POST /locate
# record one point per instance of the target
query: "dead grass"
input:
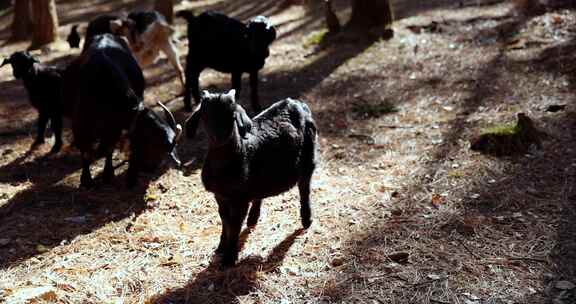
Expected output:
(404, 211)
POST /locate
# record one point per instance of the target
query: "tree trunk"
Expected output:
(166, 8)
(371, 13)
(44, 23)
(21, 23)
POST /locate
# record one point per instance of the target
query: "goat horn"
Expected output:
(172, 122)
(178, 133)
(169, 117)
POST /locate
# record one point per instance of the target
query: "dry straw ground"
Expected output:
(404, 211)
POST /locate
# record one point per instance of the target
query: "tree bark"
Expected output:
(371, 13)
(21, 24)
(166, 8)
(44, 23)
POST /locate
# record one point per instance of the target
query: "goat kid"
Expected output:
(42, 83)
(147, 32)
(227, 45)
(249, 160)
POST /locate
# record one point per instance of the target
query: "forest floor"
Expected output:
(404, 211)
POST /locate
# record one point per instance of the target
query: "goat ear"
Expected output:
(192, 123)
(29, 56)
(243, 122)
(115, 26)
(204, 94)
(271, 31)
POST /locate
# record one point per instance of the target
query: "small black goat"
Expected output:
(74, 38)
(106, 87)
(43, 83)
(249, 160)
(227, 45)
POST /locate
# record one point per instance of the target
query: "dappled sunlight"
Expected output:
(403, 210)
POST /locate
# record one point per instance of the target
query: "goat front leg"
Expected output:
(131, 174)
(254, 92)
(86, 180)
(225, 222)
(169, 49)
(191, 89)
(108, 170)
(42, 121)
(57, 128)
(254, 214)
(236, 212)
(237, 83)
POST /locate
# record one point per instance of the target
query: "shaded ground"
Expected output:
(404, 211)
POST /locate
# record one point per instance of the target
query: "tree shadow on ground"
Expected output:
(213, 285)
(404, 9)
(532, 200)
(45, 169)
(51, 214)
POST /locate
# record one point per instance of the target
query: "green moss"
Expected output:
(508, 139)
(456, 174)
(509, 129)
(373, 110)
(315, 38)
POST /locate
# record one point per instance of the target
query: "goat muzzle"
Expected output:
(5, 62)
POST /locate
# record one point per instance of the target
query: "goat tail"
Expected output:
(309, 153)
(186, 14)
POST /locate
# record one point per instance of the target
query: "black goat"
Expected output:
(74, 38)
(249, 160)
(98, 26)
(106, 87)
(43, 85)
(227, 45)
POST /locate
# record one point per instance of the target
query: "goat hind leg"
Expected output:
(191, 89)
(254, 92)
(305, 210)
(86, 180)
(57, 128)
(171, 52)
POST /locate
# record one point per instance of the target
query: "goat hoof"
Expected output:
(306, 223)
(56, 148)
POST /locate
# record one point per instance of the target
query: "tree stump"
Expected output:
(21, 24)
(509, 141)
(44, 23)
